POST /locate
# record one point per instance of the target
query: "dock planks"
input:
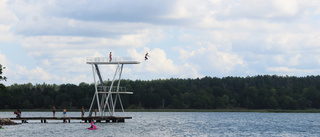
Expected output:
(106, 119)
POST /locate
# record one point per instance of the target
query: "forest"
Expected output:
(254, 92)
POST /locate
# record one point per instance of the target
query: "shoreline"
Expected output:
(181, 110)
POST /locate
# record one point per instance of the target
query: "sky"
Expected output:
(48, 41)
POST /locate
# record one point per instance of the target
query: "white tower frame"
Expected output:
(106, 92)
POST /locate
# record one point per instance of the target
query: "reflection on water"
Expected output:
(174, 124)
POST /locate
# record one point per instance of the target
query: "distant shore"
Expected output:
(182, 110)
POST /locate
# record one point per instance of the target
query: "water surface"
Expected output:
(174, 124)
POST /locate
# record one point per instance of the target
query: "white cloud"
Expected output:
(291, 61)
(291, 71)
(66, 54)
(286, 7)
(138, 39)
(294, 61)
(157, 63)
(7, 21)
(189, 71)
(281, 69)
(21, 73)
(184, 38)
(181, 10)
(6, 16)
(72, 74)
(260, 9)
(207, 58)
(2, 59)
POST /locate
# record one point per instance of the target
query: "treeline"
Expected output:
(257, 92)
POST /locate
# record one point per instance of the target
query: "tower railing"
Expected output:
(106, 59)
(113, 89)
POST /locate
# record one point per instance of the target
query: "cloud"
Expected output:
(181, 10)
(157, 64)
(7, 21)
(21, 73)
(3, 59)
(71, 27)
(291, 71)
(100, 10)
(39, 45)
(52, 75)
(260, 9)
(209, 58)
(6, 15)
(286, 7)
(184, 38)
(95, 11)
(65, 54)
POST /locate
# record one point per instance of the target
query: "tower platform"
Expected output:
(115, 60)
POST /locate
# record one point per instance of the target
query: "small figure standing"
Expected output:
(64, 112)
(82, 111)
(110, 56)
(95, 112)
(20, 112)
(146, 56)
(54, 111)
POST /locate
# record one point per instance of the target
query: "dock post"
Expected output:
(121, 120)
(43, 121)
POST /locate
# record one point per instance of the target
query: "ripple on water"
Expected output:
(176, 124)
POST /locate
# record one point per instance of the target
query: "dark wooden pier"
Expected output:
(106, 119)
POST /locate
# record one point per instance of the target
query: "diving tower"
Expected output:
(106, 97)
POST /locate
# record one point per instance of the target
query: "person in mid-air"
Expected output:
(146, 56)
(110, 56)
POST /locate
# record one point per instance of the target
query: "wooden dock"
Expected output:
(106, 119)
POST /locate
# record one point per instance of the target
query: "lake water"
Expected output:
(174, 124)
